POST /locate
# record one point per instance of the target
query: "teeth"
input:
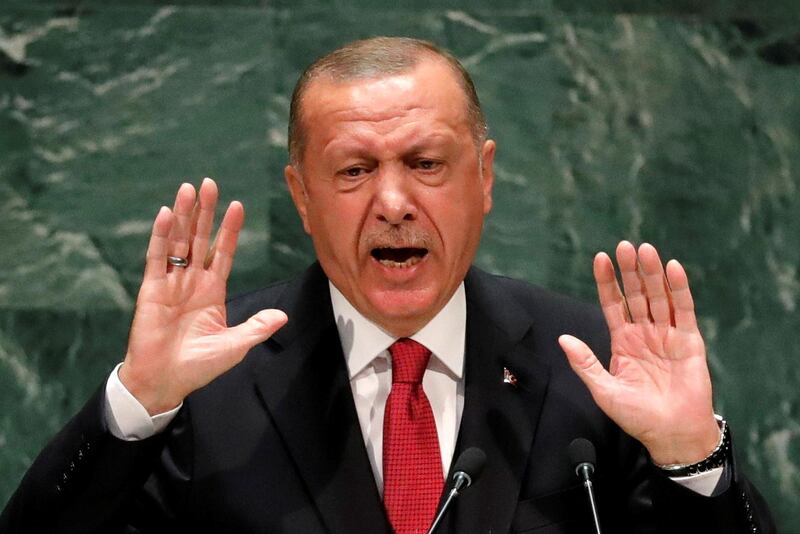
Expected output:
(413, 260)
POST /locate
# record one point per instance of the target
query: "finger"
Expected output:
(682, 301)
(632, 282)
(256, 329)
(179, 235)
(587, 367)
(655, 283)
(155, 267)
(611, 299)
(221, 255)
(203, 221)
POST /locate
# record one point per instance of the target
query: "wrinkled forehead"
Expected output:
(431, 85)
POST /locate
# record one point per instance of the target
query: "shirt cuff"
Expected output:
(703, 483)
(125, 416)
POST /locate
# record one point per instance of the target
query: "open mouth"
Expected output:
(399, 257)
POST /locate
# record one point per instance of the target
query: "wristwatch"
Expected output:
(718, 457)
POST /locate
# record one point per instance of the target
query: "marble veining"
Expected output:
(612, 122)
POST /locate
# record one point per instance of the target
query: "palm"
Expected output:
(657, 387)
(179, 340)
(654, 369)
(174, 316)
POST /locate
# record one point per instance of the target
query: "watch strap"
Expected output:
(719, 457)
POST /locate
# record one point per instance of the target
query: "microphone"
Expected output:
(468, 468)
(582, 455)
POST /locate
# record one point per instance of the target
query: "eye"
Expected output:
(354, 172)
(351, 177)
(427, 165)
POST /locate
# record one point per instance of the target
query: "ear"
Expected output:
(294, 179)
(487, 171)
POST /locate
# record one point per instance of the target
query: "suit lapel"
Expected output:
(498, 417)
(306, 389)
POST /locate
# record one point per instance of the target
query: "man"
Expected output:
(397, 355)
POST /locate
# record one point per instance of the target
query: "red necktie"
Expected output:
(412, 463)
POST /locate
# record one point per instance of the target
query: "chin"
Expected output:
(401, 309)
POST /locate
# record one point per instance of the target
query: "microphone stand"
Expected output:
(584, 470)
(461, 480)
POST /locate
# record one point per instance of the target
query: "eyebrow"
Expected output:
(418, 144)
(437, 139)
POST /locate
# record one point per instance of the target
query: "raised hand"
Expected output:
(179, 340)
(657, 388)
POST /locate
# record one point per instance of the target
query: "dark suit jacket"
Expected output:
(274, 445)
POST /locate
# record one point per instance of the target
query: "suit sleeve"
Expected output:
(739, 509)
(87, 481)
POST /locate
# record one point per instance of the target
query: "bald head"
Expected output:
(375, 58)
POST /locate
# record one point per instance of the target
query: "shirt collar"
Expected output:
(363, 341)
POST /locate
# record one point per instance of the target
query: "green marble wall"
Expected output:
(677, 125)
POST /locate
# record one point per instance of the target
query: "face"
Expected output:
(392, 191)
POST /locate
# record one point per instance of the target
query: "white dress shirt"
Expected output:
(365, 346)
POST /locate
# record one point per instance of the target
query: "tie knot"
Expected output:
(409, 360)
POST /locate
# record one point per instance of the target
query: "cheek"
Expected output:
(457, 222)
(335, 228)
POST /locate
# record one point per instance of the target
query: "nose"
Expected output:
(394, 201)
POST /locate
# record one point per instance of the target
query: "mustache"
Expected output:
(398, 237)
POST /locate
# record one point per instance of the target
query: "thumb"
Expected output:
(587, 366)
(256, 329)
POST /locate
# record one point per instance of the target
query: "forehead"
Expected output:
(429, 91)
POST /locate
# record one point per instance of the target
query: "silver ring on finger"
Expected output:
(177, 261)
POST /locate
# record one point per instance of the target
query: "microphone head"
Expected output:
(471, 462)
(581, 451)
